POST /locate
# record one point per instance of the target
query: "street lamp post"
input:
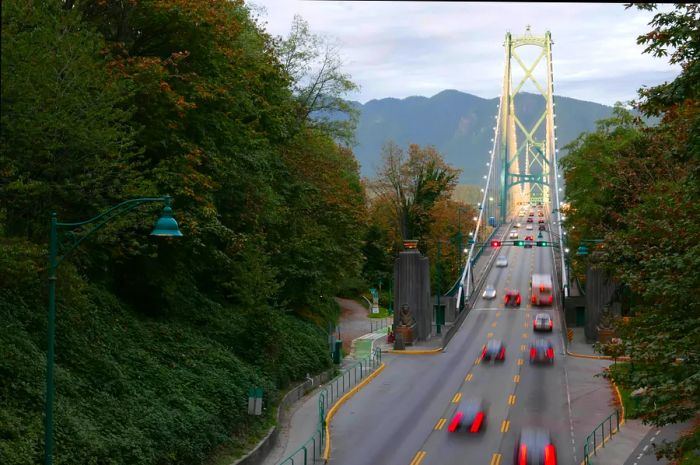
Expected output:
(166, 226)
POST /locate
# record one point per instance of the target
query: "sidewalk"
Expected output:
(592, 401)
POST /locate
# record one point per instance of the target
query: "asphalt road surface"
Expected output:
(398, 418)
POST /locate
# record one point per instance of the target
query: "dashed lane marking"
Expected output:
(511, 399)
(520, 361)
(524, 335)
(469, 377)
(456, 398)
(505, 425)
(418, 458)
(493, 325)
(498, 314)
(516, 378)
(523, 348)
(495, 460)
(441, 422)
(489, 335)
(477, 361)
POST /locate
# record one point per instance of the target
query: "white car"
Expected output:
(514, 234)
(502, 261)
(517, 225)
(489, 292)
(529, 227)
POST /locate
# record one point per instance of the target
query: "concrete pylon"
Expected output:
(413, 316)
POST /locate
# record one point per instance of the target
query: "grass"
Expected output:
(618, 372)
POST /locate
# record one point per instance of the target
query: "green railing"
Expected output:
(593, 441)
(311, 451)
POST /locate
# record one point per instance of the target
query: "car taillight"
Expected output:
(551, 323)
(541, 287)
(533, 352)
(455, 422)
(483, 352)
(502, 353)
(550, 353)
(551, 299)
(517, 300)
(505, 299)
(533, 299)
(550, 456)
(522, 457)
(477, 422)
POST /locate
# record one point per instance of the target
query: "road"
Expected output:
(397, 418)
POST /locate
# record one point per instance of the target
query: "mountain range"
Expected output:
(460, 126)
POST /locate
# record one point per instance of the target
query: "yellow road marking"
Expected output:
(495, 460)
(516, 378)
(498, 313)
(525, 325)
(505, 425)
(520, 361)
(511, 399)
(456, 398)
(523, 348)
(469, 377)
(493, 325)
(441, 422)
(489, 335)
(524, 335)
(418, 458)
(477, 361)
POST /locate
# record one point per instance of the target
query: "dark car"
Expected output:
(542, 322)
(529, 220)
(534, 447)
(494, 349)
(469, 417)
(541, 221)
(512, 298)
(542, 227)
(541, 351)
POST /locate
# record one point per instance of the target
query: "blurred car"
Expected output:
(534, 447)
(513, 234)
(528, 242)
(529, 227)
(529, 220)
(540, 214)
(469, 417)
(512, 298)
(502, 261)
(532, 214)
(542, 228)
(542, 322)
(494, 349)
(489, 292)
(541, 350)
(541, 221)
(521, 214)
(517, 225)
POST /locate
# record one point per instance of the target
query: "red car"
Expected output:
(529, 220)
(528, 242)
(470, 416)
(512, 298)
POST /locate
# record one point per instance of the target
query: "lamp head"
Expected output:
(166, 225)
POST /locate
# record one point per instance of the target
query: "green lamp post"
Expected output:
(76, 233)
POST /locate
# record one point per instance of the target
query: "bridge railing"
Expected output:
(597, 438)
(311, 451)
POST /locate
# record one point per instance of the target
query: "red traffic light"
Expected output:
(495, 243)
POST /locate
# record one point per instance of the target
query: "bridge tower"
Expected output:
(525, 140)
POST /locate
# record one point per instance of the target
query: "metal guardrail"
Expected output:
(594, 435)
(375, 324)
(312, 450)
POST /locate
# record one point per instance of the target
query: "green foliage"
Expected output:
(159, 340)
(638, 188)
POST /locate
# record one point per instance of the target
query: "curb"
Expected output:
(414, 352)
(597, 357)
(339, 403)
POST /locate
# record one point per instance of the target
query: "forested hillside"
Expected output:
(159, 339)
(459, 125)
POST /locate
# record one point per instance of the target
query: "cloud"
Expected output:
(400, 49)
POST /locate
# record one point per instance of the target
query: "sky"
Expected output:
(401, 49)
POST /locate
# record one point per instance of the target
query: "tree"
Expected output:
(314, 67)
(413, 183)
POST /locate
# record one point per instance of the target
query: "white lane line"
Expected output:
(568, 403)
(657, 433)
(644, 449)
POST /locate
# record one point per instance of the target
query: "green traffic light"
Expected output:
(519, 243)
(541, 243)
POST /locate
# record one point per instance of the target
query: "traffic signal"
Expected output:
(495, 244)
(541, 243)
(519, 243)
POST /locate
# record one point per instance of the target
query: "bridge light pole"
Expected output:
(165, 226)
